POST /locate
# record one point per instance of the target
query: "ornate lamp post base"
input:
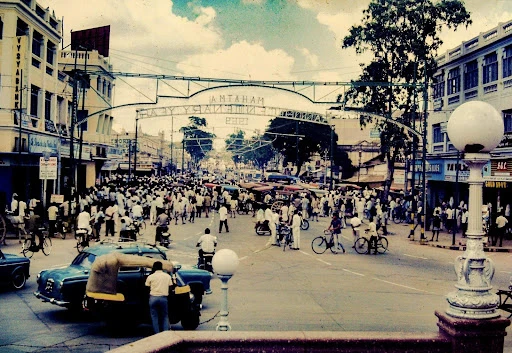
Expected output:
(473, 299)
(223, 324)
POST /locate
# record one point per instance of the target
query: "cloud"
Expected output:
(253, 2)
(310, 57)
(242, 60)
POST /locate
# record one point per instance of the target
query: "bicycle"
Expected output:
(139, 227)
(287, 237)
(320, 244)
(82, 239)
(362, 244)
(29, 246)
(304, 224)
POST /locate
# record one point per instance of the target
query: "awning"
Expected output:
(264, 188)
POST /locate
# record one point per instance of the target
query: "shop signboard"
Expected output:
(42, 144)
(47, 168)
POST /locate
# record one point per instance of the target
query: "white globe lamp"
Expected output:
(224, 263)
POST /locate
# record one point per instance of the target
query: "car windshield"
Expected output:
(84, 259)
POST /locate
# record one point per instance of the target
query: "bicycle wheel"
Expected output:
(397, 219)
(47, 246)
(3, 229)
(319, 245)
(361, 246)
(382, 245)
(27, 248)
(304, 225)
(337, 248)
(142, 228)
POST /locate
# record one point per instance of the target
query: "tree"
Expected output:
(260, 152)
(298, 140)
(235, 144)
(197, 142)
(403, 35)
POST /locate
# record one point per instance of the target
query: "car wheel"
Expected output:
(18, 279)
(191, 321)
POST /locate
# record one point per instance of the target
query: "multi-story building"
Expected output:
(477, 69)
(32, 87)
(95, 119)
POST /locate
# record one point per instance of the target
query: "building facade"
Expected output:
(477, 69)
(31, 88)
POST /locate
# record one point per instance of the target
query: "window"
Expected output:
(37, 43)
(470, 74)
(48, 105)
(507, 62)
(101, 121)
(453, 81)
(98, 84)
(507, 120)
(50, 53)
(490, 68)
(34, 100)
(104, 90)
(109, 90)
(21, 28)
(1, 29)
(437, 135)
(439, 86)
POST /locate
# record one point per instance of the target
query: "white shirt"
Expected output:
(207, 242)
(159, 283)
(84, 220)
(223, 213)
(137, 211)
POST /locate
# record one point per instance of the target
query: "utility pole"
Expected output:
(332, 156)
(83, 83)
(136, 143)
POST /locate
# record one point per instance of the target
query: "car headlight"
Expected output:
(38, 278)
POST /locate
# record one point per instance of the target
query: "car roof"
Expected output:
(123, 247)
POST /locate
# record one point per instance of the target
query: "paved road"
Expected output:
(272, 290)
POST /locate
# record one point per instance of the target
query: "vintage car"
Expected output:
(122, 299)
(65, 287)
(14, 270)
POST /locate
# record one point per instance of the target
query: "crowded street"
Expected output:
(271, 290)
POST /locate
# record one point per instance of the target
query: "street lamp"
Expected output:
(224, 263)
(475, 128)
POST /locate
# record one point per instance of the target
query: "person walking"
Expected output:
(159, 283)
(296, 221)
(223, 217)
(109, 220)
(436, 226)
(52, 219)
(501, 226)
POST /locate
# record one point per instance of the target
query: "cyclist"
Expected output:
(34, 222)
(84, 221)
(162, 225)
(372, 232)
(207, 243)
(335, 228)
(355, 223)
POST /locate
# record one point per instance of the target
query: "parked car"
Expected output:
(14, 270)
(65, 287)
(122, 299)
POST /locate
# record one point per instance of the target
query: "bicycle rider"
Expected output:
(335, 229)
(372, 232)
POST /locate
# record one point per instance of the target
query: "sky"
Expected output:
(241, 39)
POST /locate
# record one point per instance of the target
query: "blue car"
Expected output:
(66, 287)
(14, 270)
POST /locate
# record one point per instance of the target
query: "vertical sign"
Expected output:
(19, 50)
(47, 168)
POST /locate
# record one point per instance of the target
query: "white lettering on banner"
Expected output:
(231, 108)
(502, 166)
(237, 121)
(431, 168)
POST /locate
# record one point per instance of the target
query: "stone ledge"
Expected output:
(288, 341)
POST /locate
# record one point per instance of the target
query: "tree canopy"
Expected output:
(403, 36)
(198, 143)
(256, 150)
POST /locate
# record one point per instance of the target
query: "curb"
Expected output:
(463, 247)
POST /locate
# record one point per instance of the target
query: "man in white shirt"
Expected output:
(84, 220)
(207, 243)
(52, 219)
(137, 212)
(159, 283)
(223, 217)
(355, 223)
